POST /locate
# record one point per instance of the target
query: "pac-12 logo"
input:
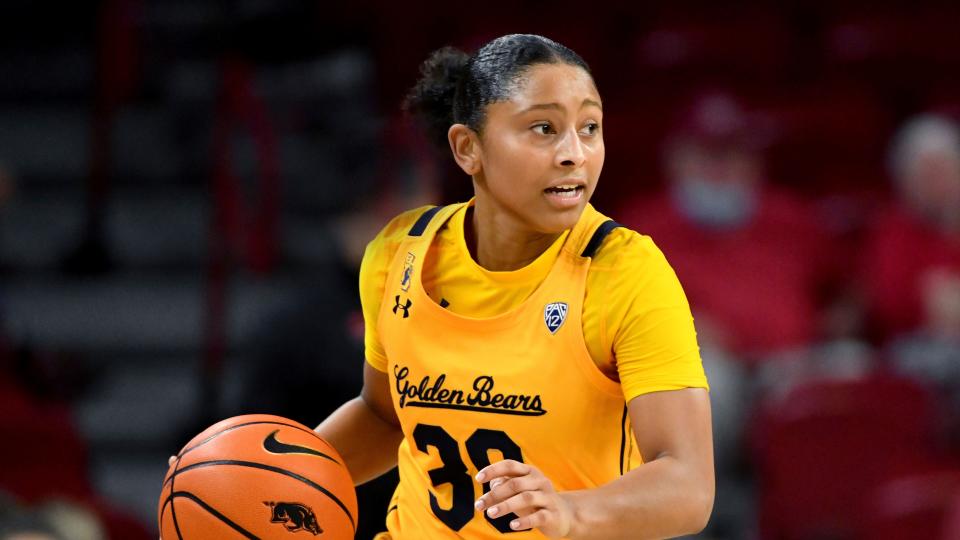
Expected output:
(294, 517)
(554, 314)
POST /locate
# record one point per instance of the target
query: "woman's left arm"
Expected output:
(671, 494)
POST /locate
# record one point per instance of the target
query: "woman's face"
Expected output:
(933, 183)
(542, 150)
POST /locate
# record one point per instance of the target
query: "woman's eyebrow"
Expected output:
(558, 107)
(543, 106)
(589, 101)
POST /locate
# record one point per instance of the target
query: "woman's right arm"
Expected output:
(365, 430)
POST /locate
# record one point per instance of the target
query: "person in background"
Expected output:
(912, 267)
(748, 254)
(912, 259)
(51, 520)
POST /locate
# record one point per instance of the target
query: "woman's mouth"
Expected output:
(565, 196)
(571, 191)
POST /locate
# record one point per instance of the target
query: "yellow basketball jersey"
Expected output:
(470, 391)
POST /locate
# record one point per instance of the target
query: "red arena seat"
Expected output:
(827, 444)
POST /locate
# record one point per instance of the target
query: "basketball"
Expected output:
(258, 477)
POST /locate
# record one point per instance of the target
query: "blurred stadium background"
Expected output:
(186, 188)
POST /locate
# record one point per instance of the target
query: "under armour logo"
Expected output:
(405, 307)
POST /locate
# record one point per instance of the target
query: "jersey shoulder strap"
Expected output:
(423, 221)
(599, 235)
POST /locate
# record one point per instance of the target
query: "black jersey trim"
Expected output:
(623, 436)
(423, 221)
(597, 239)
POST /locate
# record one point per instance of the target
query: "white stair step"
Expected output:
(139, 405)
(46, 142)
(36, 232)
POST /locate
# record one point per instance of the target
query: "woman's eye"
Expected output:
(591, 129)
(543, 129)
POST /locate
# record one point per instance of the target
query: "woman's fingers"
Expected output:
(503, 488)
(523, 503)
(507, 467)
(523, 490)
(541, 519)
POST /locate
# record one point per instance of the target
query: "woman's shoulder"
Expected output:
(384, 245)
(628, 264)
(624, 246)
(400, 225)
(629, 276)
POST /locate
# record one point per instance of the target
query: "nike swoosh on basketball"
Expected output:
(272, 445)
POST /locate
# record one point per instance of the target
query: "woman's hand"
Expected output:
(524, 490)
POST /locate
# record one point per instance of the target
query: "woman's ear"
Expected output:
(465, 145)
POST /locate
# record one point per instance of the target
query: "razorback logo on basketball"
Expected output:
(294, 517)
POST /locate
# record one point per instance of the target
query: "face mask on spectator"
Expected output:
(720, 205)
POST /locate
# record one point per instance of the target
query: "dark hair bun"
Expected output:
(432, 98)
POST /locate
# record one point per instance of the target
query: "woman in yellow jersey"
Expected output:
(532, 367)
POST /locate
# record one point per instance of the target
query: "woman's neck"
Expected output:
(500, 243)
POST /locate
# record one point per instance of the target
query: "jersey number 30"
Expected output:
(454, 471)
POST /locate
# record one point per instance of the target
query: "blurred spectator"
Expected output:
(53, 520)
(749, 256)
(912, 266)
(72, 522)
(935, 361)
(840, 359)
(28, 528)
(931, 353)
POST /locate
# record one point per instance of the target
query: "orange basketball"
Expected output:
(257, 476)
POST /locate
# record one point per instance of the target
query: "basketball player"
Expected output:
(531, 367)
